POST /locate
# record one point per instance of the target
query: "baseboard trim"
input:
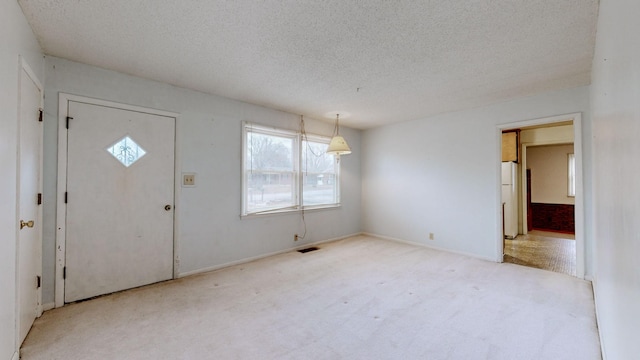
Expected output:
(430, 247)
(258, 257)
(595, 305)
(48, 306)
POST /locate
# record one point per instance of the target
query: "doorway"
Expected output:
(550, 200)
(542, 134)
(118, 199)
(547, 238)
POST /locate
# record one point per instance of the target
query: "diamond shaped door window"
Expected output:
(126, 151)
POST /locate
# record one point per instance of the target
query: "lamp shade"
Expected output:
(338, 146)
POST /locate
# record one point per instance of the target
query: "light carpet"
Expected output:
(359, 298)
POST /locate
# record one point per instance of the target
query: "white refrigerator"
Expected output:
(510, 199)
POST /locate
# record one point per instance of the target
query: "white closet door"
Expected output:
(29, 236)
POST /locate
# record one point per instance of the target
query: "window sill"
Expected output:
(290, 211)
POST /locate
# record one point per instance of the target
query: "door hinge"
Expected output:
(66, 197)
(38, 282)
(68, 118)
(64, 273)
(39, 198)
(40, 115)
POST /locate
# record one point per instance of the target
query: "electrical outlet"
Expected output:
(295, 237)
(431, 237)
(188, 179)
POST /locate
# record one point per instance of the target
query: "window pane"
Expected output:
(320, 186)
(126, 151)
(268, 190)
(270, 176)
(268, 152)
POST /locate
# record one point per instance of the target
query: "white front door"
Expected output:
(120, 191)
(29, 240)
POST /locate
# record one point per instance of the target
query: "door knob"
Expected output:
(167, 207)
(26, 223)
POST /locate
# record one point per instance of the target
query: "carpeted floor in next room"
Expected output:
(358, 298)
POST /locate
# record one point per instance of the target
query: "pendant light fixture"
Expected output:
(338, 145)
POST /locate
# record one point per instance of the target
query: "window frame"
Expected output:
(298, 174)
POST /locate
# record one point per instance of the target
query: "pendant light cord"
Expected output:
(303, 133)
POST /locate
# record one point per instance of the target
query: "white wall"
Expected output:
(440, 174)
(615, 98)
(550, 174)
(17, 39)
(211, 232)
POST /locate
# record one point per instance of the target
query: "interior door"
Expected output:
(120, 191)
(29, 236)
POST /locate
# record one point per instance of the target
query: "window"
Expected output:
(126, 151)
(319, 173)
(572, 175)
(286, 171)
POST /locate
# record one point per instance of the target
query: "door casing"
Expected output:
(63, 102)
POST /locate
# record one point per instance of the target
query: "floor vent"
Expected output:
(313, 248)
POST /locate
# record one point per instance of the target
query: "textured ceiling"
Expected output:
(381, 61)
